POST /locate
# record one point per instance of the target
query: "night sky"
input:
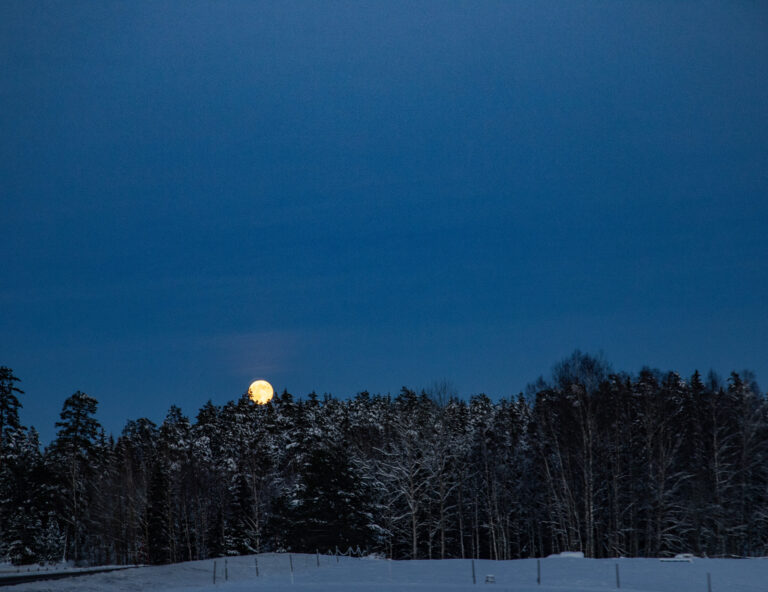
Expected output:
(359, 196)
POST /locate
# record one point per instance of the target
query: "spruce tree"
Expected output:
(9, 409)
(332, 507)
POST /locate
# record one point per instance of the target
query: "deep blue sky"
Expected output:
(345, 196)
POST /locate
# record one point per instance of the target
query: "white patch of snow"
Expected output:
(568, 555)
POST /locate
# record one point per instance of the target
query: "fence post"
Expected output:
(474, 580)
(618, 581)
(226, 571)
(214, 571)
(337, 553)
(290, 560)
(256, 563)
(317, 553)
(538, 572)
(709, 582)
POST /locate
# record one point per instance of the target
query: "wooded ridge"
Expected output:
(592, 460)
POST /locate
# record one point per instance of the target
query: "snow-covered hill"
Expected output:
(562, 574)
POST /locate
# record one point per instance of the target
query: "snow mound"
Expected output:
(567, 555)
(680, 557)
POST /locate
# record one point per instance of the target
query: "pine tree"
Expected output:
(158, 509)
(174, 451)
(19, 461)
(135, 452)
(10, 439)
(72, 459)
(22, 500)
(104, 501)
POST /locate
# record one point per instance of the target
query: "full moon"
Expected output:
(260, 392)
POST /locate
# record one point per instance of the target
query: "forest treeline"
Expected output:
(606, 463)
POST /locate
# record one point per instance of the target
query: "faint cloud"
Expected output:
(259, 353)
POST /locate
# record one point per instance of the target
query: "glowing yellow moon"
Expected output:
(260, 392)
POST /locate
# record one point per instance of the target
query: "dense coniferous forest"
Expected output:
(591, 460)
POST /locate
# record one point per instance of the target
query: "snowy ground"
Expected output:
(12, 575)
(6, 569)
(558, 574)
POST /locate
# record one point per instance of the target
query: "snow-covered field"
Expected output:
(573, 575)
